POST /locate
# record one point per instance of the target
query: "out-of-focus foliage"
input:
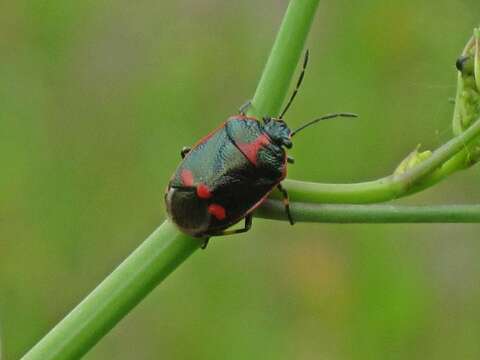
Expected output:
(98, 97)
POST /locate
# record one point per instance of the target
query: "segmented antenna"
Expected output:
(325, 117)
(299, 82)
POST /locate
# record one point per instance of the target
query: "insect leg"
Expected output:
(248, 225)
(204, 245)
(185, 150)
(244, 107)
(286, 203)
(290, 160)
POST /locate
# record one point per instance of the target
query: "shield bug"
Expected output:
(227, 174)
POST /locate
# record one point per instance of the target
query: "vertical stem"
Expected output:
(282, 62)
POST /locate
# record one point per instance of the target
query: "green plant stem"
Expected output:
(450, 157)
(166, 248)
(282, 62)
(370, 214)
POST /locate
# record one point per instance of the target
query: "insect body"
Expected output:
(227, 175)
(230, 172)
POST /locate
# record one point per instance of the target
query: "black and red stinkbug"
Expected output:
(227, 174)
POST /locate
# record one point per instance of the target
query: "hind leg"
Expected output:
(248, 225)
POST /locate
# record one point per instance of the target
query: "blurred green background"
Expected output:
(98, 97)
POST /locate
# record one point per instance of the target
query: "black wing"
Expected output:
(233, 182)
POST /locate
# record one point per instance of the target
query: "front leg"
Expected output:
(242, 110)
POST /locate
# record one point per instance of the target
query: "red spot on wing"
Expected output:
(203, 191)
(250, 150)
(218, 211)
(187, 177)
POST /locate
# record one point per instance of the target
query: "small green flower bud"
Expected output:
(412, 160)
(467, 102)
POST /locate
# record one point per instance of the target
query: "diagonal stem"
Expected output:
(167, 248)
(124, 288)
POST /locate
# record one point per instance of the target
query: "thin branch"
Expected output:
(370, 214)
(450, 157)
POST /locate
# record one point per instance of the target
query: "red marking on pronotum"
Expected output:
(203, 192)
(250, 150)
(187, 177)
(218, 211)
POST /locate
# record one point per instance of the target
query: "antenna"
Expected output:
(299, 82)
(325, 117)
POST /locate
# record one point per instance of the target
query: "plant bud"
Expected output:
(412, 159)
(467, 102)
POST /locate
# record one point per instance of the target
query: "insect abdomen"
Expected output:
(223, 178)
(187, 210)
